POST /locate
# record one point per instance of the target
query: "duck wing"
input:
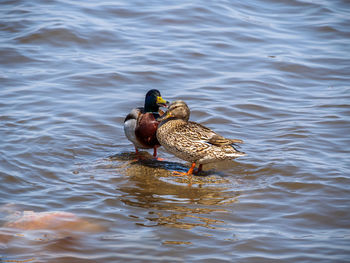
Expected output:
(221, 141)
(207, 135)
(134, 114)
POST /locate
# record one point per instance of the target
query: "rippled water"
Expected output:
(273, 73)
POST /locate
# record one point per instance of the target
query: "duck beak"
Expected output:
(162, 102)
(164, 116)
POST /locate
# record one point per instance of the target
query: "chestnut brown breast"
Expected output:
(146, 130)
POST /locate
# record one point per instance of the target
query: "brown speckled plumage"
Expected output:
(192, 141)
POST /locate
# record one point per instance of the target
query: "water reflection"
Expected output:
(170, 200)
(27, 235)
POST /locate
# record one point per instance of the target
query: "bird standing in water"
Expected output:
(140, 125)
(192, 141)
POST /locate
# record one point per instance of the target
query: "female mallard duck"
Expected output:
(141, 124)
(192, 141)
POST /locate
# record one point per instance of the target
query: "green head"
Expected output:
(154, 100)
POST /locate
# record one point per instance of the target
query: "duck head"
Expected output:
(177, 110)
(154, 100)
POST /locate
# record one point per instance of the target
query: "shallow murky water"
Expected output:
(273, 73)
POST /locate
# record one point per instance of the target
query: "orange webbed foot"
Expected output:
(189, 172)
(177, 173)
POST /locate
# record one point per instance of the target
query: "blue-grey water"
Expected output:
(275, 74)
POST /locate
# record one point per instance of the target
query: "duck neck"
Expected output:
(151, 106)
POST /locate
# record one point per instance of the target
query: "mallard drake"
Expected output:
(192, 141)
(141, 124)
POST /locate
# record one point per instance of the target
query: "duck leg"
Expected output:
(155, 151)
(155, 154)
(189, 172)
(199, 169)
(137, 154)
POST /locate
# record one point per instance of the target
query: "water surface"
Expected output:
(272, 73)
